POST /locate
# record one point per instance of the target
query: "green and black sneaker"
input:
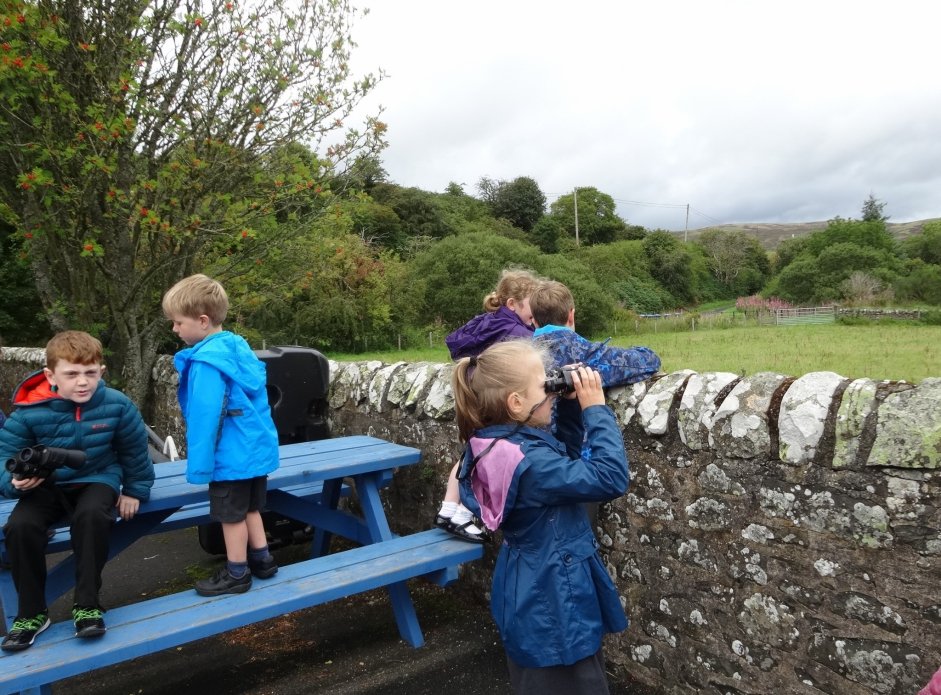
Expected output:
(23, 632)
(88, 621)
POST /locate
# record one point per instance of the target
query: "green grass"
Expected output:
(877, 351)
(718, 305)
(437, 354)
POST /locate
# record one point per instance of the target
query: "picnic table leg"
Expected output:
(40, 690)
(368, 492)
(330, 498)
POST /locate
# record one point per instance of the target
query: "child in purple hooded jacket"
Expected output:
(506, 316)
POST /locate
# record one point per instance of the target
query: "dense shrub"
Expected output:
(932, 318)
(593, 306)
(449, 280)
(923, 284)
(613, 263)
(642, 296)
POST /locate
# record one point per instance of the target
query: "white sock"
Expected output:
(447, 509)
(462, 516)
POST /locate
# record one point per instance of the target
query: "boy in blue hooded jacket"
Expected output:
(231, 439)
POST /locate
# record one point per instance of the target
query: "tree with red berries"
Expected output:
(140, 141)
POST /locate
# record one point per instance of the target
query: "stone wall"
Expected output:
(781, 535)
(879, 313)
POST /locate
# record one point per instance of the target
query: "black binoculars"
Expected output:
(40, 461)
(559, 380)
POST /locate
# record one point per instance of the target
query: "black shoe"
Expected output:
(461, 530)
(88, 621)
(263, 569)
(442, 522)
(224, 583)
(23, 632)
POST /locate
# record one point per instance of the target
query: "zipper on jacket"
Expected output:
(78, 413)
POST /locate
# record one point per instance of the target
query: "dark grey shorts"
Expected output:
(231, 500)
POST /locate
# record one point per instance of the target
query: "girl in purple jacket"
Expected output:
(506, 316)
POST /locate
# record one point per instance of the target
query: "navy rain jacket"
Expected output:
(552, 598)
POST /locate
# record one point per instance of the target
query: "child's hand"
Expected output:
(26, 483)
(127, 506)
(588, 389)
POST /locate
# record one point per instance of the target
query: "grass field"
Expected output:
(877, 351)
(908, 353)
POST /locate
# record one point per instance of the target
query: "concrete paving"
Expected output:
(347, 647)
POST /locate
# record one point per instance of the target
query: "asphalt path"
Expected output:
(346, 647)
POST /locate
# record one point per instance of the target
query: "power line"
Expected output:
(649, 204)
(702, 214)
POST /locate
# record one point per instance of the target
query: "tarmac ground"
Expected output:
(345, 647)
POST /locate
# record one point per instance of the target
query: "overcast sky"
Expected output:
(754, 111)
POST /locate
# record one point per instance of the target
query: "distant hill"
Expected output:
(770, 235)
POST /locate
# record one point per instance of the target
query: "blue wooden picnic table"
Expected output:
(308, 485)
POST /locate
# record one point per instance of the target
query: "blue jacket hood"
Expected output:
(231, 355)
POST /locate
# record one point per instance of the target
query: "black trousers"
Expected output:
(90, 510)
(585, 677)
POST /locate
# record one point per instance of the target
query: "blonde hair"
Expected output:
(77, 347)
(551, 302)
(481, 384)
(194, 296)
(514, 283)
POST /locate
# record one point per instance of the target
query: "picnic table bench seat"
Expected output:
(307, 487)
(168, 621)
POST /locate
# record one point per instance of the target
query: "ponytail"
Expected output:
(513, 284)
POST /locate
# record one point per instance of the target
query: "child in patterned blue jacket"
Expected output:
(553, 310)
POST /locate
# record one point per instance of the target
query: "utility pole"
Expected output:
(686, 231)
(575, 195)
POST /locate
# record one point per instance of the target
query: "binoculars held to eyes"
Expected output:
(40, 461)
(559, 380)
